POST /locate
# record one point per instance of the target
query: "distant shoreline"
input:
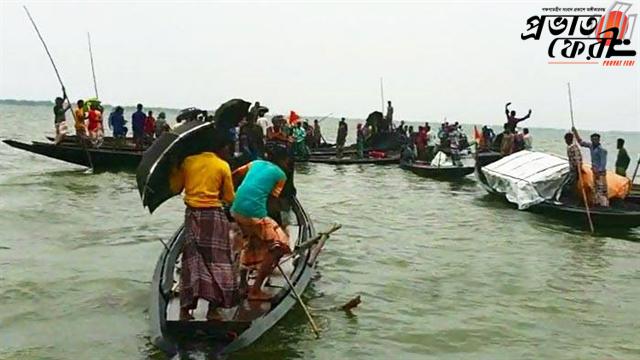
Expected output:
(50, 103)
(25, 102)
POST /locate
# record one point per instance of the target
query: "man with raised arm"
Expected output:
(512, 120)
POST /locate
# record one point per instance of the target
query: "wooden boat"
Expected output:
(250, 320)
(393, 159)
(424, 169)
(621, 214)
(487, 157)
(108, 142)
(102, 159)
(389, 141)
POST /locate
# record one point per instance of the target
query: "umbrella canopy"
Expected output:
(166, 154)
(172, 147)
(190, 114)
(375, 118)
(231, 113)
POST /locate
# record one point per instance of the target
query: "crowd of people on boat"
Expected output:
(424, 144)
(510, 140)
(89, 123)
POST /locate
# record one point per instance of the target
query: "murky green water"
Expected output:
(444, 272)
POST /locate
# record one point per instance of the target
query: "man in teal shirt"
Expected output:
(265, 241)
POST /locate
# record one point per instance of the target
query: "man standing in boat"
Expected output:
(388, 120)
(598, 166)
(80, 126)
(317, 134)
(95, 124)
(343, 129)
(266, 242)
(207, 265)
(117, 124)
(262, 120)
(254, 112)
(59, 121)
(137, 123)
(512, 120)
(575, 164)
(623, 160)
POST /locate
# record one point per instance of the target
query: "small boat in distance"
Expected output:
(332, 160)
(447, 172)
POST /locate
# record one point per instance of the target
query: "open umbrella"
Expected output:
(190, 114)
(172, 147)
(231, 113)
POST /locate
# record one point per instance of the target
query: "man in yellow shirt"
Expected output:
(207, 263)
(81, 129)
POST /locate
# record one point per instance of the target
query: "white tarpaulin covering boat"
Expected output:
(527, 178)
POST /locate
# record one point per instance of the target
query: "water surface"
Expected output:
(444, 271)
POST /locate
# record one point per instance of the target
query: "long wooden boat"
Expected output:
(425, 169)
(102, 159)
(108, 142)
(332, 160)
(389, 141)
(242, 326)
(622, 213)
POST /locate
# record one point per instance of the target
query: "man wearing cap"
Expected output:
(598, 166)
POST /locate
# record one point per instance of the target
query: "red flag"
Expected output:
(293, 117)
(477, 135)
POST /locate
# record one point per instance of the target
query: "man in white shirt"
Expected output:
(526, 139)
(262, 120)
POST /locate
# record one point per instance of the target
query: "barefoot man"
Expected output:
(265, 241)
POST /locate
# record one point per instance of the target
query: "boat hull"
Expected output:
(174, 336)
(623, 213)
(353, 161)
(439, 173)
(101, 159)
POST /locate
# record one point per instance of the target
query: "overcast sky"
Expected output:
(459, 60)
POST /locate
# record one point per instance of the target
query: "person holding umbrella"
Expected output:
(207, 265)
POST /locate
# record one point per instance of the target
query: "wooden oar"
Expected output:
(299, 249)
(304, 307)
(93, 71)
(325, 117)
(584, 194)
(635, 172)
(309, 243)
(55, 68)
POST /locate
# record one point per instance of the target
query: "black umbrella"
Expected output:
(169, 150)
(166, 154)
(231, 113)
(375, 118)
(190, 114)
